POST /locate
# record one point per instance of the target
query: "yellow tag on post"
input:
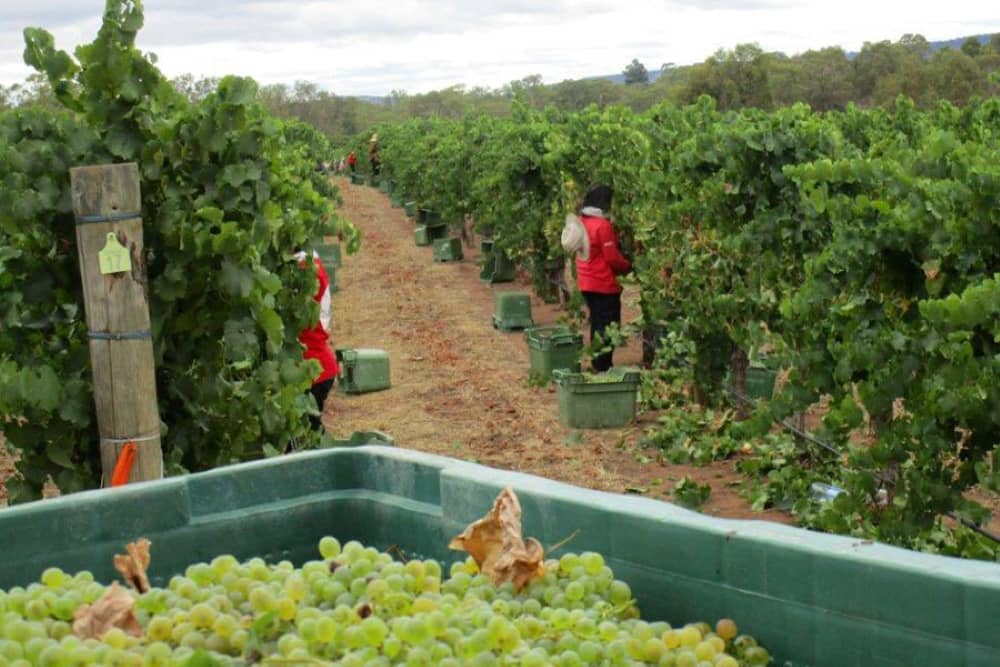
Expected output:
(114, 257)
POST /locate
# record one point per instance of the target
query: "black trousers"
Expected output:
(320, 391)
(604, 309)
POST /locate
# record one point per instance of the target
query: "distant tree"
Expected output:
(972, 47)
(636, 72)
(824, 80)
(995, 43)
(737, 78)
(915, 45)
(195, 89)
(956, 76)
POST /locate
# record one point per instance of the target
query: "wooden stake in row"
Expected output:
(107, 206)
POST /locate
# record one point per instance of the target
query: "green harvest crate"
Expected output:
(329, 254)
(512, 310)
(597, 400)
(448, 250)
(428, 217)
(358, 439)
(759, 381)
(362, 370)
(375, 181)
(358, 178)
(551, 348)
(410, 208)
(395, 201)
(813, 600)
(426, 234)
(496, 267)
(386, 186)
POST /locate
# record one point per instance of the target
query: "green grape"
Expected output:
(329, 547)
(374, 630)
(568, 562)
(535, 658)
(592, 562)
(53, 577)
(686, 658)
(575, 591)
(756, 655)
(202, 615)
(619, 592)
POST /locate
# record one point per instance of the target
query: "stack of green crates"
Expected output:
(553, 348)
(363, 370)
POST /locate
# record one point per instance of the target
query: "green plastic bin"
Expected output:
(813, 600)
(552, 348)
(597, 400)
(410, 208)
(395, 201)
(425, 235)
(358, 178)
(512, 310)
(362, 370)
(496, 267)
(329, 254)
(448, 250)
(759, 381)
(375, 181)
(428, 217)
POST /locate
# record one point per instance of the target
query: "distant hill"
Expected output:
(957, 42)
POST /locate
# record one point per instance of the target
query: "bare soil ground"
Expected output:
(460, 388)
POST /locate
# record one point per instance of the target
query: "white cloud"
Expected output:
(372, 48)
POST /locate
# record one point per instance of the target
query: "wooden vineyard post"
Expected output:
(108, 211)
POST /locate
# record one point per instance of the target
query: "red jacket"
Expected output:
(597, 274)
(315, 338)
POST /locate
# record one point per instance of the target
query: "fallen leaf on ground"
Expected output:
(111, 610)
(495, 543)
(133, 564)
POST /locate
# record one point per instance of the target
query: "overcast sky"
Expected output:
(356, 47)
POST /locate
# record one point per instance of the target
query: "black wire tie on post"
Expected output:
(114, 217)
(123, 335)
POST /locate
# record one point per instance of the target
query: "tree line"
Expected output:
(745, 76)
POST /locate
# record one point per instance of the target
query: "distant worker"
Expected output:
(373, 155)
(316, 341)
(598, 266)
(352, 161)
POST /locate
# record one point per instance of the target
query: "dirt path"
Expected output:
(459, 387)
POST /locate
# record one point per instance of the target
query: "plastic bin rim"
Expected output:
(863, 552)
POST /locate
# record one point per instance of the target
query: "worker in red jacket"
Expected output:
(352, 161)
(597, 272)
(316, 340)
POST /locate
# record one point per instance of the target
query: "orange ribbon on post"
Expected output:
(123, 467)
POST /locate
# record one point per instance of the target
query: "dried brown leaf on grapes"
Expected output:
(112, 610)
(495, 543)
(133, 564)
(50, 489)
